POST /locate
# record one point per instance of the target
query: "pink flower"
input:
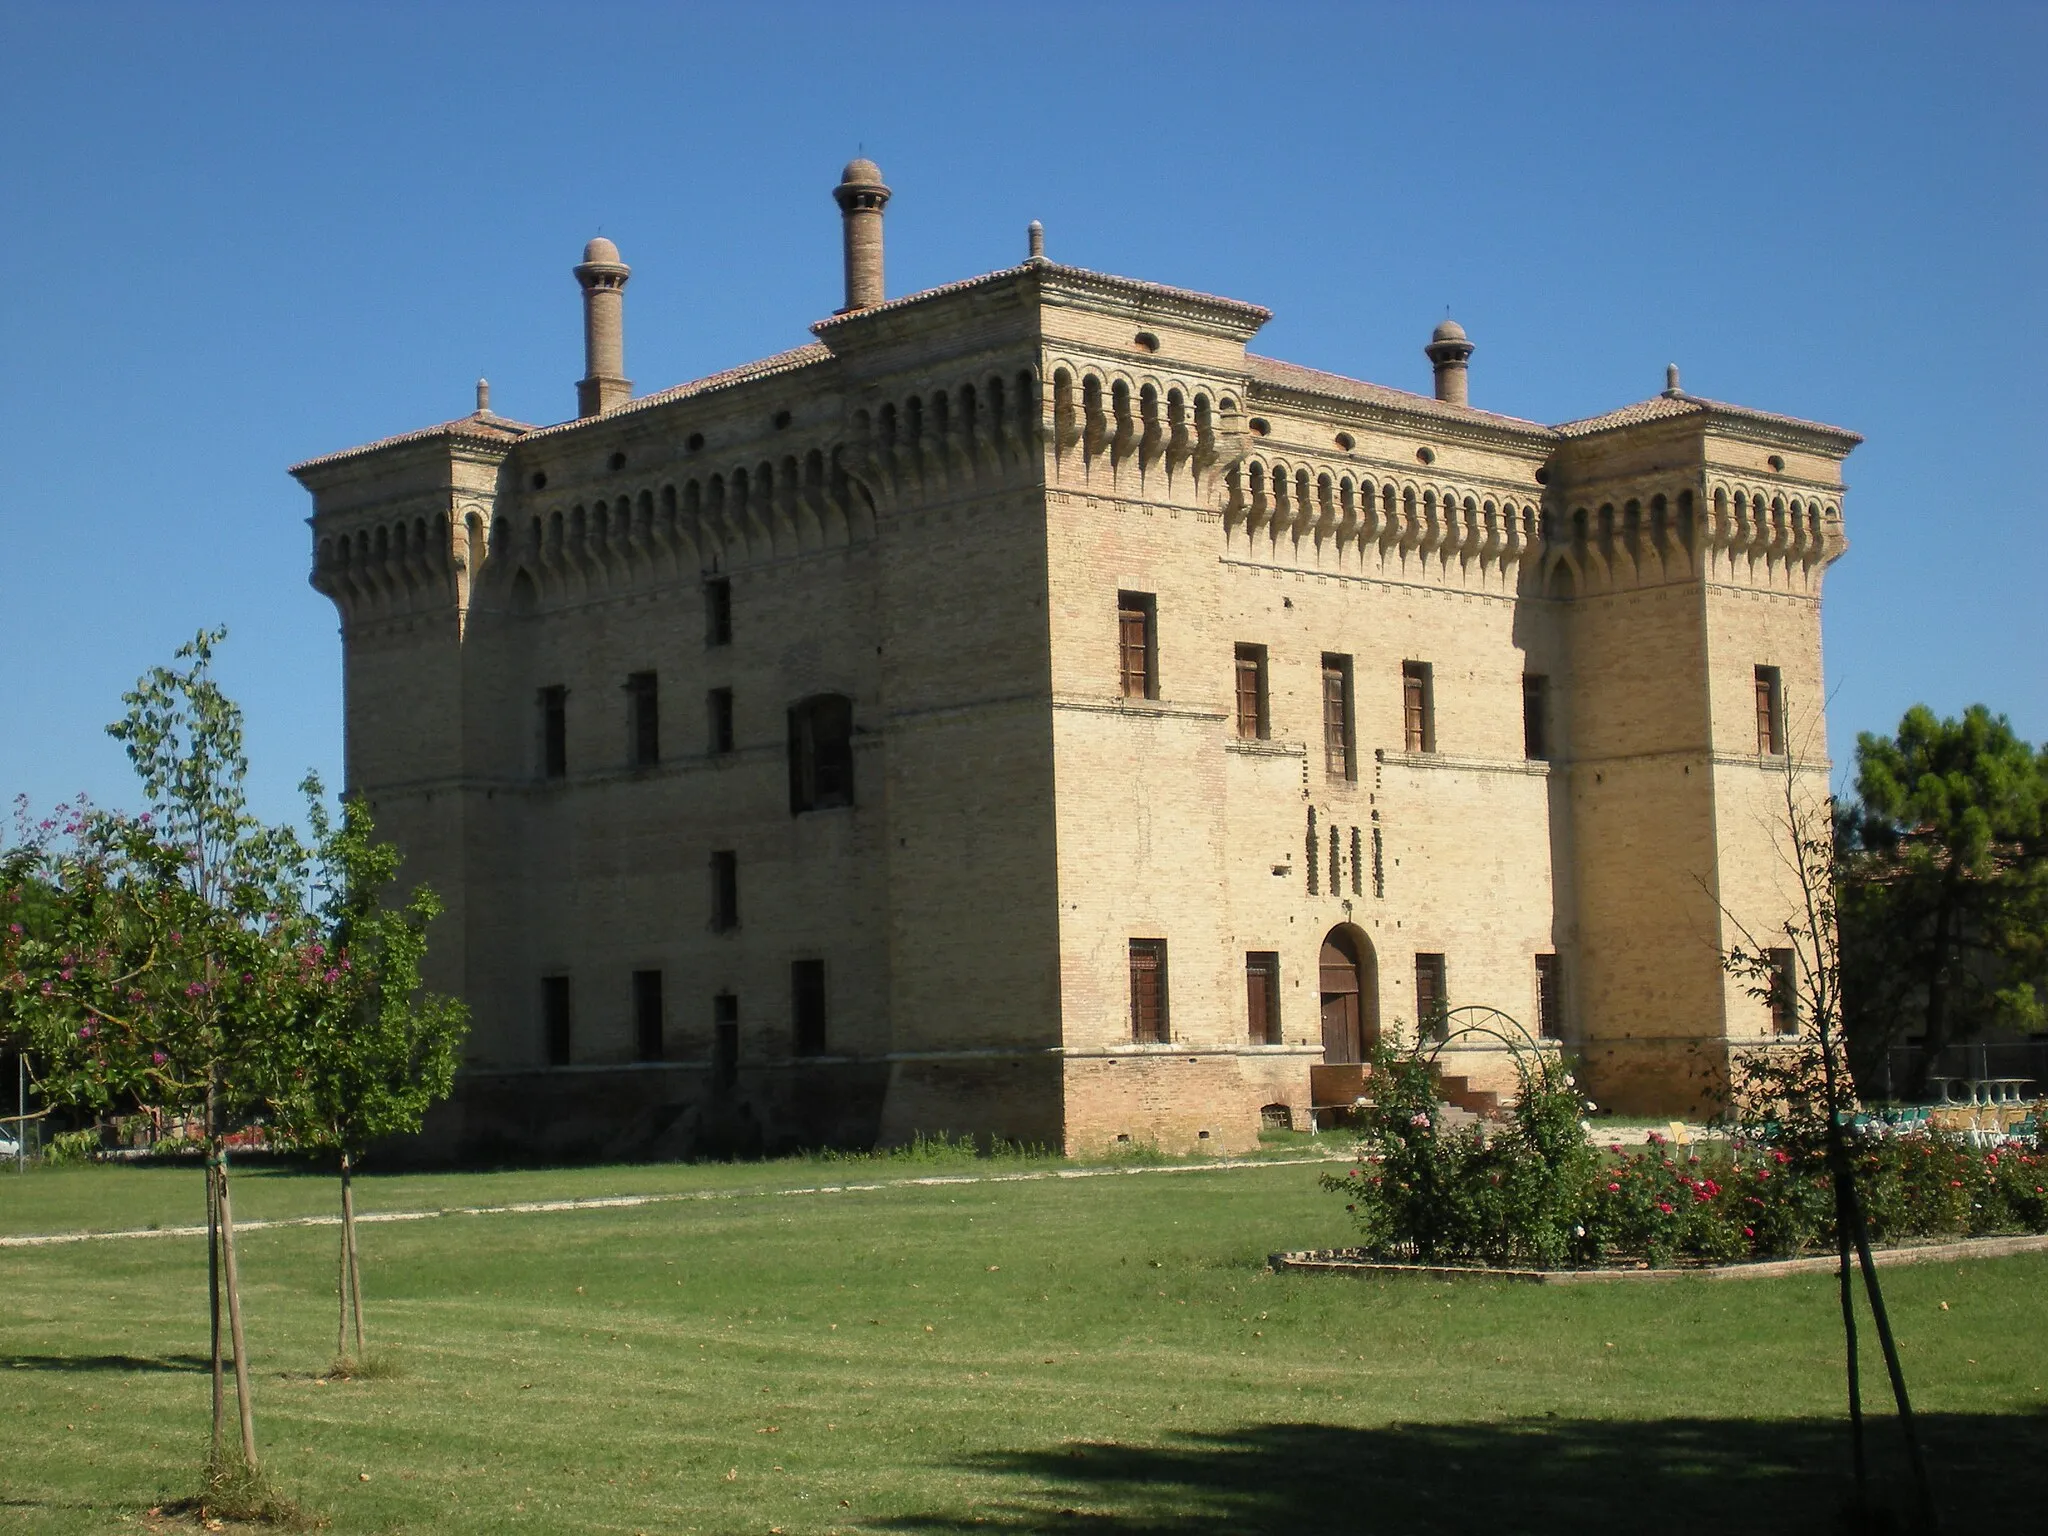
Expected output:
(157, 1058)
(1749, 1231)
(196, 989)
(1614, 1189)
(1419, 1118)
(1663, 1207)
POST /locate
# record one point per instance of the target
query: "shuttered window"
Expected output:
(718, 611)
(1549, 999)
(1252, 723)
(807, 1000)
(1262, 996)
(1339, 760)
(647, 1015)
(643, 719)
(554, 732)
(1418, 708)
(1148, 992)
(725, 890)
(1536, 717)
(1770, 713)
(725, 1039)
(554, 1019)
(718, 718)
(1430, 1002)
(1784, 992)
(821, 753)
(1137, 637)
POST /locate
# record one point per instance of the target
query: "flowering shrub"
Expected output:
(1534, 1192)
(1512, 1196)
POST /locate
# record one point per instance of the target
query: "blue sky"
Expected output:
(232, 237)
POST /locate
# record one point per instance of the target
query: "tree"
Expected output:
(155, 965)
(371, 1050)
(1944, 886)
(1798, 1095)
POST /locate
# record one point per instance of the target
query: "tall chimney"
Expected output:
(861, 195)
(604, 383)
(1448, 352)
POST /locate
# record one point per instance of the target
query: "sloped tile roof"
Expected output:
(481, 427)
(1279, 375)
(1664, 407)
(781, 362)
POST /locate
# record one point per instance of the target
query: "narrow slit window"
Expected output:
(1549, 998)
(1770, 712)
(1253, 724)
(1262, 996)
(1431, 1003)
(807, 1002)
(1137, 633)
(643, 719)
(1149, 1024)
(1340, 759)
(647, 1015)
(554, 732)
(554, 1019)
(1536, 717)
(1418, 707)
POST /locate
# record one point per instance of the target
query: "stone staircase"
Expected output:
(1335, 1089)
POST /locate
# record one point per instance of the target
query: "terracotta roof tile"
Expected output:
(781, 362)
(1664, 407)
(1279, 375)
(481, 427)
(1251, 312)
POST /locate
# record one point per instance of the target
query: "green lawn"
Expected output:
(1101, 1355)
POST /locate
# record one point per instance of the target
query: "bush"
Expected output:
(72, 1147)
(1535, 1193)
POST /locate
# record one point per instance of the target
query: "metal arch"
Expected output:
(1491, 1023)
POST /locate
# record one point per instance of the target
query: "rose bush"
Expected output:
(1534, 1192)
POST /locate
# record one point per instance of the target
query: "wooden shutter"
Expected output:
(1784, 993)
(1248, 691)
(1535, 725)
(1414, 708)
(1769, 737)
(1336, 759)
(1133, 628)
(1262, 997)
(1429, 996)
(1148, 991)
(1549, 1006)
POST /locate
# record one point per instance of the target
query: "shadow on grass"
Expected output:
(105, 1363)
(1537, 1476)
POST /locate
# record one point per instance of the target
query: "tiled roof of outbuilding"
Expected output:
(1254, 313)
(480, 427)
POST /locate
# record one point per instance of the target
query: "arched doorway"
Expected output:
(1351, 995)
